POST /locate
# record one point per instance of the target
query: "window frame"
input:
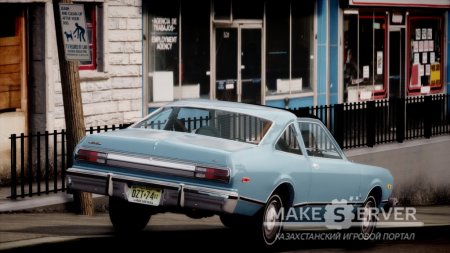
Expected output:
(93, 42)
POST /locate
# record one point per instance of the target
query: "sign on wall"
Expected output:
(75, 37)
(405, 3)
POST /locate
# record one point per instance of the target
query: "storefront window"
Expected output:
(163, 61)
(302, 44)
(277, 45)
(195, 50)
(365, 38)
(289, 46)
(425, 55)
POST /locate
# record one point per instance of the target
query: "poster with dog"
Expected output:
(73, 23)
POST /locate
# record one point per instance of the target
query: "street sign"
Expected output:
(75, 37)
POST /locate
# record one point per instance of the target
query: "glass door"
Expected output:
(238, 52)
(226, 64)
(250, 66)
(397, 62)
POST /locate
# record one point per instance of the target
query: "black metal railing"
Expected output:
(375, 122)
(38, 161)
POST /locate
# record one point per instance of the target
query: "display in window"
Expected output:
(425, 55)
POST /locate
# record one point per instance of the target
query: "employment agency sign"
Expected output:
(73, 23)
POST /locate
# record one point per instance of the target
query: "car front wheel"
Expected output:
(127, 217)
(368, 218)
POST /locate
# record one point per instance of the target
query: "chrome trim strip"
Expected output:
(201, 190)
(150, 161)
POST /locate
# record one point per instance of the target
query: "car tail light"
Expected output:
(222, 175)
(90, 156)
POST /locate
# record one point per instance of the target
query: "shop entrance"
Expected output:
(237, 60)
(397, 62)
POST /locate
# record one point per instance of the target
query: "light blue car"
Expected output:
(248, 164)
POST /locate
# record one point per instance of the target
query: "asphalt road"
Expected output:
(66, 232)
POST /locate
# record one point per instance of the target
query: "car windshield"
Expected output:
(211, 122)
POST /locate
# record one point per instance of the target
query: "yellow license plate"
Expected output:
(144, 195)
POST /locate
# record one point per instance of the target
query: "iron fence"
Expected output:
(38, 161)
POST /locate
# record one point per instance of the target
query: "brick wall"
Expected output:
(114, 95)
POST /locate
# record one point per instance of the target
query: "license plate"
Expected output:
(144, 195)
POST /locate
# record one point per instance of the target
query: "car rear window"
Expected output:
(210, 122)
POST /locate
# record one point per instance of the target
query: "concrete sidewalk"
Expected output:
(44, 219)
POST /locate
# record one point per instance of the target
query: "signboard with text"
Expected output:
(75, 37)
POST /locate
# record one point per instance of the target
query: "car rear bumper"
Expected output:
(173, 194)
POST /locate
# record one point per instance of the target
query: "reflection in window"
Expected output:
(425, 55)
(364, 56)
(289, 45)
(318, 142)
(288, 142)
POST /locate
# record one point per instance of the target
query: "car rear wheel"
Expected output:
(128, 217)
(272, 220)
(368, 218)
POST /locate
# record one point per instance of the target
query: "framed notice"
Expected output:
(421, 46)
(431, 45)
(415, 46)
(418, 36)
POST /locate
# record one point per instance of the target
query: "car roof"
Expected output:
(265, 112)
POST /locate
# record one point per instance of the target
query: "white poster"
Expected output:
(379, 62)
(432, 57)
(415, 46)
(424, 58)
(427, 69)
(431, 45)
(366, 73)
(424, 33)
(418, 37)
(429, 34)
(416, 58)
(421, 70)
(421, 46)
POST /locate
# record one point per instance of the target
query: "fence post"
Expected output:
(338, 129)
(427, 119)
(370, 124)
(13, 167)
(400, 120)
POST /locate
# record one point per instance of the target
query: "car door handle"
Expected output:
(316, 166)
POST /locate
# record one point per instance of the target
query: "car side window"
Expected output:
(318, 142)
(288, 141)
